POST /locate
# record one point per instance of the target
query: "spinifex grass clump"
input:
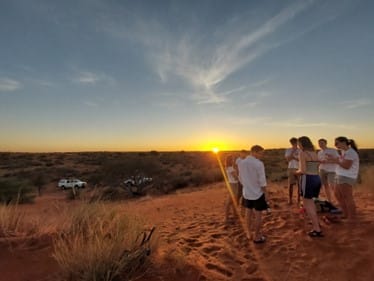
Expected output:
(15, 223)
(10, 220)
(100, 243)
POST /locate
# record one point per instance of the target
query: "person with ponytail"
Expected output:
(348, 164)
(310, 182)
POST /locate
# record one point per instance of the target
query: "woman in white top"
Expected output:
(346, 175)
(232, 184)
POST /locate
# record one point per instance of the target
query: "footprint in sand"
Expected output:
(219, 269)
(211, 249)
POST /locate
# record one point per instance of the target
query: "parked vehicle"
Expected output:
(137, 181)
(70, 183)
(135, 185)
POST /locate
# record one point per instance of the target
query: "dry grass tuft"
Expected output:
(100, 243)
(14, 223)
(367, 178)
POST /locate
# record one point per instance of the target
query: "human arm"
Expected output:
(342, 162)
(234, 173)
(262, 178)
(302, 164)
(290, 155)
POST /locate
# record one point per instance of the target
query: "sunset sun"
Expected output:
(215, 150)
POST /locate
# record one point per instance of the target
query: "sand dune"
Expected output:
(193, 224)
(195, 242)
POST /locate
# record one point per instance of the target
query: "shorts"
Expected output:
(292, 178)
(310, 186)
(345, 180)
(258, 204)
(327, 177)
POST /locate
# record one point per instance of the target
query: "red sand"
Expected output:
(194, 242)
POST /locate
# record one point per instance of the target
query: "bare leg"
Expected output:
(290, 193)
(257, 225)
(298, 190)
(347, 197)
(340, 197)
(327, 191)
(228, 206)
(249, 219)
(310, 208)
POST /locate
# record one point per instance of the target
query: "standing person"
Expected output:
(252, 176)
(326, 168)
(233, 185)
(242, 155)
(346, 175)
(292, 157)
(310, 182)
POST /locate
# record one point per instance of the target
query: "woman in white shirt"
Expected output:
(233, 185)
(348, 164)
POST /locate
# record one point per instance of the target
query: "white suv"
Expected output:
(70, 183)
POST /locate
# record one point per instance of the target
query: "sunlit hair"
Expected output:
(257, 148)
(229, 160)
(348, 142)
(293, 140)
(306, 143)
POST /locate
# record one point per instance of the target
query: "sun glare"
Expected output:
(215, 150)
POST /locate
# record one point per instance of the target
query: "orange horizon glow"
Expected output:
(111, 146)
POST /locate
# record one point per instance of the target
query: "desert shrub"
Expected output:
(206, 176)
(39, 180)
(366, 178)
(13, 190)
(13, 222)
(73, 193)
(100, 243)
(108, 194)
(177, 182)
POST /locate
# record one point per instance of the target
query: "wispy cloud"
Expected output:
(90, 104)
(204, 69)
(352, 104)
(9, 85)
(91, 78)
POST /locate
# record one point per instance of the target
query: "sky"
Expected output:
(106, 75)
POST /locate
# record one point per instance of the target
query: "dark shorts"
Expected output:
(310, 186)
(258, 204)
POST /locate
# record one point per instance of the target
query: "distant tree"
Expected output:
(39, 181)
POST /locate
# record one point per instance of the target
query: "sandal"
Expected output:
(315, 233)
(260, 241)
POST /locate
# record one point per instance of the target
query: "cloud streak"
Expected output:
(91, 78)
(205, 70)
(9, 85)
(352, 104)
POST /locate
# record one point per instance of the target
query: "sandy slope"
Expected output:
(195, 243)
(193, 224)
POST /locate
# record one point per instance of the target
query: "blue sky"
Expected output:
(184, 75)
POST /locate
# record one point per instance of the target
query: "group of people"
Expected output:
(308, 169)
